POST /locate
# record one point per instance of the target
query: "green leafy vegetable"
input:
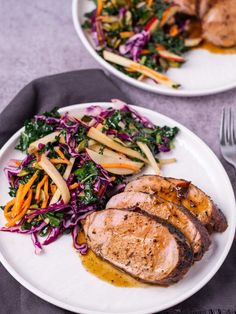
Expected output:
(54, 218)
(26, 225)
(123, 122)
(35, 129)
(89, 196)
(12, 191)
(81, 133)
(173, 44)
(44, 231)
(114, 120)
(87, 171)
(159, 7)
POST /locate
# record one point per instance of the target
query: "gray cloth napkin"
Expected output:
(217, 297)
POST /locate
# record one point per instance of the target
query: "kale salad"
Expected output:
(74, 164)
(143, 39)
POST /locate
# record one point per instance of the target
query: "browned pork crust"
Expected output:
(184, 193)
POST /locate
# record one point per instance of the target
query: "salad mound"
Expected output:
(74, 164)
(140, 38)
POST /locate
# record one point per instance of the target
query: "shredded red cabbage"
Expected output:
(122, 12)
(37, 244)
(18, 229)
(83, 247)
(53, 235)
(121, 136)
(135, 44)
(13, 170)
(51, 208)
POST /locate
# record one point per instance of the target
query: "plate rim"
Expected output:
(132, 81)
(190, 292)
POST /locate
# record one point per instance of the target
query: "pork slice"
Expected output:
(139, 245)
(219, 23)
(177, 215)
(184, 193)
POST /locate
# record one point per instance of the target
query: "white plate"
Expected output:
(57, 276)
(204, 73)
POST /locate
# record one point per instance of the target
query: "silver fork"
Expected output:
(228, 136)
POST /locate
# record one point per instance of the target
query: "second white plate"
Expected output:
(204, 73)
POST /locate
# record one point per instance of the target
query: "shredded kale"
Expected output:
(26, 225)
(25, 179)
(87, 172)
(35, 130)
(140, 15)
(12, 191)
(81, 133)
(89, 196)
(54, 218)
(89, 15)
(157, 138)
(167, 131)
(49, 148)
(153, 63)
(87, 25)
(160, 139)
(127, 120)
(53, 113)
(111, 10)
(86, 118)
(173, 44)
(159, 7)
(44, 231)
(114, 120)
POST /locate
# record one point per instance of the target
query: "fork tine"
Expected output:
(230, 127)
(228, 136)
(233, 131)
(222, 128)
(228, 122)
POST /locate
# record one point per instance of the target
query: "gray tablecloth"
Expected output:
(218, 296)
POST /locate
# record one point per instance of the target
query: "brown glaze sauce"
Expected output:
(195, 31)
(177, 196)
(214, 49)
(106, 271)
